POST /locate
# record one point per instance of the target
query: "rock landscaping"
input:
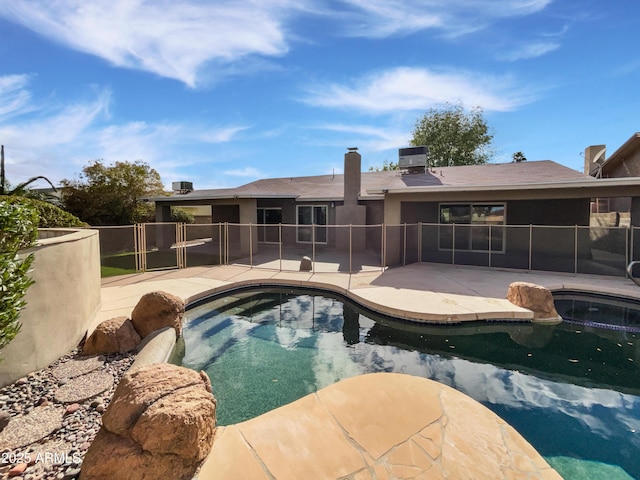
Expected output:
(54, 415)
(49, 418)
(160, 424)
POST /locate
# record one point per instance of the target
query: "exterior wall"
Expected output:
(549, 212)
(557, 244)
(61, 304)
(627, 167)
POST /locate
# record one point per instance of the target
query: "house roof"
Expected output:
(630, 146)
(539, 179)
(489, 175)
(375, 184)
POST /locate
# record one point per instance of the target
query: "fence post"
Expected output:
(575, 251)
(139, 247)
(350, 247)
(490, 244)
(219, 243)
(453, 244)
(313, 247)
(250, 246)
(383, 253)
(626, 247)
(530, 245)
(419, 242)
(181, 244)
(404, 245)
(226, 243)
(280, 244)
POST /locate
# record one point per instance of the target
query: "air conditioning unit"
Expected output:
(182, 187)
(411, 157)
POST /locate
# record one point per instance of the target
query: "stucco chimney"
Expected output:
(352, 165)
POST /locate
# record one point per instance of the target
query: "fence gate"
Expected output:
(160, 246)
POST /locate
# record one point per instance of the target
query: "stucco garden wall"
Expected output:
(61, 304)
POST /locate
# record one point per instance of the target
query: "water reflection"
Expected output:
(570, 391)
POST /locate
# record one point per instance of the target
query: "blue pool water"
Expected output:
(572, 390)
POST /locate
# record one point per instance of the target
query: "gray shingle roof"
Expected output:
(331, 186)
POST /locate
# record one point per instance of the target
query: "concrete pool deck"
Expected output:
(425, 292)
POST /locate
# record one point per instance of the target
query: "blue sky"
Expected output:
(221, 92)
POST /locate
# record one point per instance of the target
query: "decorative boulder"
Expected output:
(159, 424)
(116, 335)
(536, 298)
(4, 420)
(305, 264)
(157, 310)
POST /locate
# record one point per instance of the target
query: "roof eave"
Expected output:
(608, 182)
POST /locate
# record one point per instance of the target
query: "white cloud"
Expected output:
(371, 138)
(219, 135)
(57, 139)
(410, 89)
(171, 39)
(192, 40)
(14, 97)
(382, 18)
(244, 172)
(31, 139)
(531, 50)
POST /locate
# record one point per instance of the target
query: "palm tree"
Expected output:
(20, 189)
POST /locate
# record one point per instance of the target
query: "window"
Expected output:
(472, 229)
(266, 217)
(308, 217)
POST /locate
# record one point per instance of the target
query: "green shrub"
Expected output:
(181, 216)
(18, 230)
(49, 215)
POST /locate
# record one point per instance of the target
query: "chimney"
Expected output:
(593, 158)
(352, 166)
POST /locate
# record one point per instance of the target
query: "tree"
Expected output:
(454, 137)
(21, 189)
(519, 157)
(110, 195)
(386, 166)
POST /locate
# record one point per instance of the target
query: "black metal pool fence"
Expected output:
(355, 248)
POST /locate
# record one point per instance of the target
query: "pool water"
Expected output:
(573, 391)
(602, 311)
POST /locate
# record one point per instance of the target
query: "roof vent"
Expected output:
(182, 187)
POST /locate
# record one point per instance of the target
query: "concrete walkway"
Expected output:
(422, 292)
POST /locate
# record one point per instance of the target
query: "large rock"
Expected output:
(116, 335)
(113, 457)
(157, 310)
(161, 420)
(536, 298)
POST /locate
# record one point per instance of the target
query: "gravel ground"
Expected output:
(59, 454)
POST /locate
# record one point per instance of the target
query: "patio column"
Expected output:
(394, 240)
(248, 215)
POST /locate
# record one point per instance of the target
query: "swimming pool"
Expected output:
(573, 391)
(599, 310)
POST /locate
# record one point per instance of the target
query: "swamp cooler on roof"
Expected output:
(412, 157)
(182, 187)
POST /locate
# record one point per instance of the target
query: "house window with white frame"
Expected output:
(310, 216)
(478, 227)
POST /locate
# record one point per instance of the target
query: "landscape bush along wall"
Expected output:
(18, 230)
(49, 216)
